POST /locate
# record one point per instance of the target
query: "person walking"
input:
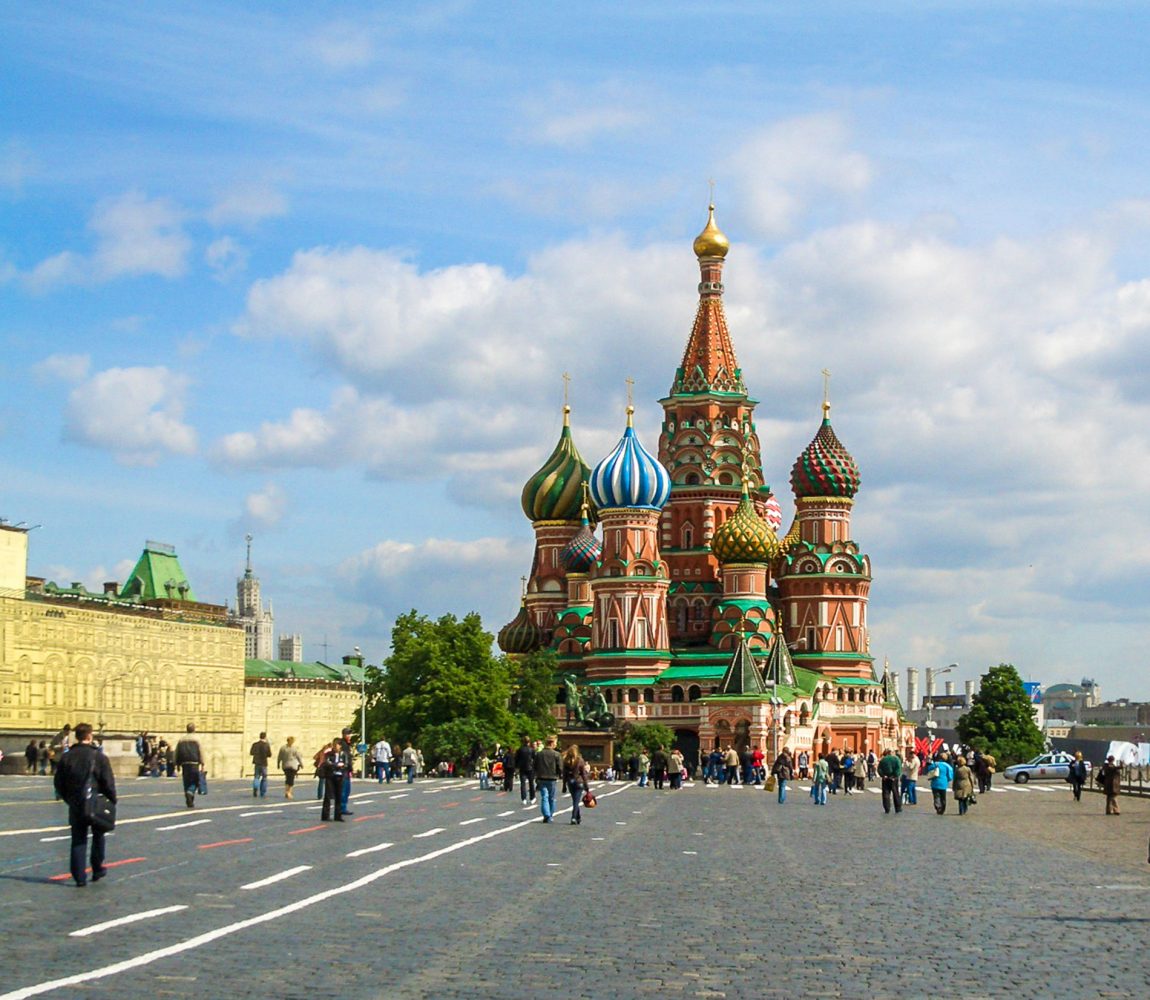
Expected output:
(576, 779)
(381, 757)
(835, 769)
(731, 763)
(30, 755)
(822, 777)
(82, 764)
(963, 785)
(333, 768)
(860, 771)
(261, 753)
(890, 771)
(675, 769)
(483, 769)
(847, 769)
(941, 774)
(659, 764)
(290, 761)
(804, 765)
(548, 769)
(1110, 778)
(525, 768)
(345, 789)
(783, 770)
(190, 761)
(910, 769)
(410, 762)
(1077, 775)
(644, 768)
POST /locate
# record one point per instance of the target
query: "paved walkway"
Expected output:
(438, 890)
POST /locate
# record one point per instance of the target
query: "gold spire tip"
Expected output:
(630, 415)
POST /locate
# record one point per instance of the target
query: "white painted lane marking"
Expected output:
(190, 944)
(262, 812)
(48, 840)
(690, 852)
(428, 833)
(510, 812)
(368, 850)
(468, 822)
(180, 826)
(131, 918)
(277, 878)
(402, 795)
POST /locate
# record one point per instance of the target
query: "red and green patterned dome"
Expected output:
(584, 550)
(745, 537)
(521, 634)
(825, 468)
(555, 492)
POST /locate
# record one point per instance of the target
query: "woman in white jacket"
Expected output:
(910, 766)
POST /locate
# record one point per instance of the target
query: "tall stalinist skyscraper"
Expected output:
(259, 625)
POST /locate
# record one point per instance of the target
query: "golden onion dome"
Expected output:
(711, 242)
(745, 536)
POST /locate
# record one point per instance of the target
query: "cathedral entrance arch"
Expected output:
(687, 740)
(743, 735)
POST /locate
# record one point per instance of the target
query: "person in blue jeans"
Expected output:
(821, 780)
(261, 753)
(548, 768)
(345, 788)
(783, 770)
(941, 774)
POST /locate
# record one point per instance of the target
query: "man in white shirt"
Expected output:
(381, 755)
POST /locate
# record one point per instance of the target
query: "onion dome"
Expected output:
(774, 513)
(555, 491)
(521, 634)
(630, 476)
(711, 242)
(744, 536)
(584, 550)
(825, 468)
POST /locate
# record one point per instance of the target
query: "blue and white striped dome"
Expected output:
(630, 476)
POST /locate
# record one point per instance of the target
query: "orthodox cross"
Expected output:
(566, 386)
(711, 183)
(630, 386)
(523, 586)
(826, 390)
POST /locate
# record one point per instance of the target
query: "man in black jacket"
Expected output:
(525, 765)
(189, 759)
(81, 762)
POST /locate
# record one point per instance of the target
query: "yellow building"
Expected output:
(147, 656)
(311, 701)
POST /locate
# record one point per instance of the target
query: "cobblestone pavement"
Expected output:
(440, 890)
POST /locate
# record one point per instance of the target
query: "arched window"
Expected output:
(694, 693)
(692, 479)
(698, 611)
(676, 693)
(681, 615)
(633, 696)
(688, 536)
(648, 696)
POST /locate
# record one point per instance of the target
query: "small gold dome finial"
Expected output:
(711, 242)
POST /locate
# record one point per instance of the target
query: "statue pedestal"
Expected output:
(596, 746)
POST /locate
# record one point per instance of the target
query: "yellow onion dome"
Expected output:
(744, 536)
(555, 492)
(711, 242)
(521, 634)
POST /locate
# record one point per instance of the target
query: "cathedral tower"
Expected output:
(707, 431)
(628, 586)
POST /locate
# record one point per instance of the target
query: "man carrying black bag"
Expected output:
(82, 775)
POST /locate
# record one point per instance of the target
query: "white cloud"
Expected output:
(782, 171)
(226, 258)
(66, 367)
(134, 235)
(247, 204)
(572, 118)
(344, 45)
(135, 413)
(267, 507)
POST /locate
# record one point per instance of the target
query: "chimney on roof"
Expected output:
(112, 588)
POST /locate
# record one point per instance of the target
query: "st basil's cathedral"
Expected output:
(687, 608)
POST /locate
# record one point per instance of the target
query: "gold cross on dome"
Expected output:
(566, 386)
(523, 585)
(826, 390)
(711, 184)
(630, 393)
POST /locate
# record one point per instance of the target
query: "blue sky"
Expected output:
(315, 271)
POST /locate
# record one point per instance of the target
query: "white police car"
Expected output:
(1046, 765)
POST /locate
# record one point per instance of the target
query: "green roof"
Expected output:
(855, 682)
(286, 670)
(158, 575)
(694, 673)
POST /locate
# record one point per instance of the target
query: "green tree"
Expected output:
(646, 736)
(444, 690)
(1001, 718)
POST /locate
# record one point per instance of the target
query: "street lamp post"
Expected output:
(267, 714)
(362, 714)
(100, 700)
(931, 674)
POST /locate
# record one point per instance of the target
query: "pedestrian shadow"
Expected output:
(36, 879)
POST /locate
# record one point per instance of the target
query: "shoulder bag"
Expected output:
(99, 810)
